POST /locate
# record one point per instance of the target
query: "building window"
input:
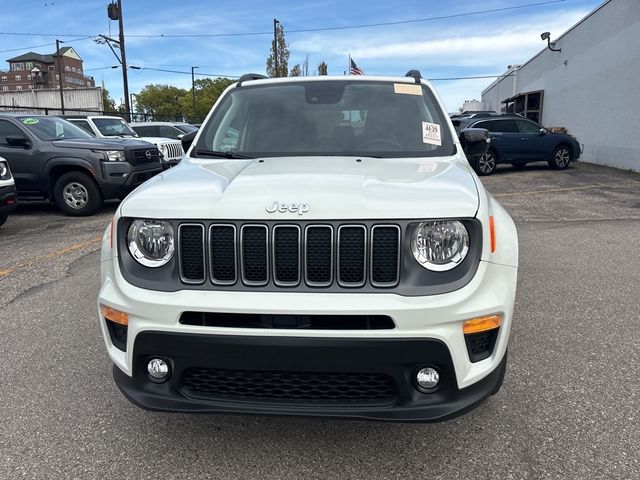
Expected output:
(28, 76)
(18, 78)
(4, 78)
(57, 77)
(50, 67)
(19, 87)
(5, 88)
(28, 65)
(17, 66)
(67, 68)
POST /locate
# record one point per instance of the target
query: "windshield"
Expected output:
(185, 127)
(114, 127)
(351, 118)
(52, 128)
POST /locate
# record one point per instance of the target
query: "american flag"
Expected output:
(355, 70)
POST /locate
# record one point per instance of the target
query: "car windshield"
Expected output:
(350, 118)
(52, 128)
(185, 127)
(114, 127)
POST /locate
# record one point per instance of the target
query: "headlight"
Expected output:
(440, 245)
(151, 242)
(113, 155)
(4, 170)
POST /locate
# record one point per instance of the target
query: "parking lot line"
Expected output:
(555, 190)
(48, 256)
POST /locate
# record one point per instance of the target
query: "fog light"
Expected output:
(158, 368)
(427, 378)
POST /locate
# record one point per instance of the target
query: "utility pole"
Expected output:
(127, 105)
(193, 94)
(60, 73)
(275, 45)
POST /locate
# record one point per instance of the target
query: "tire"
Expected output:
(77, 194)
(561, 157)
(486, 164)
(3, 218)
(503, 370)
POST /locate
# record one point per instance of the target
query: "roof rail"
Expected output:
(250, 76)
(414, 74)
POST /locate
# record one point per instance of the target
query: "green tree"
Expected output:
(283, 55)
(207, 92)
(162, 102)
(296, 71)
(108, 103)
(323, 69)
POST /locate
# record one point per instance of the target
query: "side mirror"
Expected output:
(187, 140)
(18, 141)
(180, 136)
(542, 132)
(475, 141)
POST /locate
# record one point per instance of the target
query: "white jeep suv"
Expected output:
(325, 249)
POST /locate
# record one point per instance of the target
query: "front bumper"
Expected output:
(302, 360)
(8, 198)
(120, 178)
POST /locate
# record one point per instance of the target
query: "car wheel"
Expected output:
(561, 158)
(77, 194)
(486, 164)
(3, 218)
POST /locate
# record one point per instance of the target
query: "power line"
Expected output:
(308, 30)
(201, 74)
(43, 45)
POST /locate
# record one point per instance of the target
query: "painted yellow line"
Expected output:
(57, 253)
(536, 192)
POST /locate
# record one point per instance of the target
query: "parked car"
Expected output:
(331, 253)
(173, 130)
(7, 191)
(518, 141)
(53, 159)
(103, 126)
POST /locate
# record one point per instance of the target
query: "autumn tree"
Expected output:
(282, 51)
(296, 71)
(163, 102)
(207, 92)
(108, 103)
(323, 68)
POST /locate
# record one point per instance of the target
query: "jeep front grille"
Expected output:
(174, 151)
(289, 255)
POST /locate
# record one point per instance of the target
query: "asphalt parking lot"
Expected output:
(568, 408)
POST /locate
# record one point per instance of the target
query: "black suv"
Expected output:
(53, 159)
(518, 141)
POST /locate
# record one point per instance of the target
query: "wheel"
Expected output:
(77, 194)
(503, 370)
(3, 218)
(519, 166)
(561, 158)
(486, 164)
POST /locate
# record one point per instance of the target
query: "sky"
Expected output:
(470, 44)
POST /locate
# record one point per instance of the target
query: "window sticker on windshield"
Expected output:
(431, 133)
(407, 89)
(30, 121)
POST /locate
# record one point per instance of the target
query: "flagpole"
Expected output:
(349, 65)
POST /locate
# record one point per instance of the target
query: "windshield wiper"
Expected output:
(221, 154)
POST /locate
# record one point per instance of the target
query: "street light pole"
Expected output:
(58, 42)
(193, 94)
(123, 58)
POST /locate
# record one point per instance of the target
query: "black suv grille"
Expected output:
(147, 155)
(290, 387)
(287, 255)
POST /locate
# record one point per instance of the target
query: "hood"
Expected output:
(159, 140)
(331, 188)
(101, 143)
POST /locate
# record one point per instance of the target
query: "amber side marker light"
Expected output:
(492, 234)
(481, 324)
(114, 315)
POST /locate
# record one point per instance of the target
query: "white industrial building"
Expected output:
(591, 86)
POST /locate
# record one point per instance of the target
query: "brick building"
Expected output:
(34, 71)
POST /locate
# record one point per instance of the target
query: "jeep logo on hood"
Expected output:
(299, 208)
